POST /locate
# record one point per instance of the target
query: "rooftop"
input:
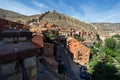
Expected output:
(12, 51)
(38, 40)
(15, 33)
(73, 44)
(6, 48)
(6, 24)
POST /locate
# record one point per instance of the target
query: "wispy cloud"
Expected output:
(61, 7)
(17, 7)
(40, 5)
(110, 15)
(89, 11)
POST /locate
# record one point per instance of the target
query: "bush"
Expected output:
(110, 43)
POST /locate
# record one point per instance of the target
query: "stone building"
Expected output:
(6, 24)
(17, 55)
(48, 49)
(49, 56)
(52, 63)
(65, 33)
(79, 52)
(38, 40)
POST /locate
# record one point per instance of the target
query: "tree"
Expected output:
(116, 36)
(110, 43)
(79, 38)
(105, 64)
(105, 71)
(97, 44)
(117, 47)
(98, 37)
(51, 36)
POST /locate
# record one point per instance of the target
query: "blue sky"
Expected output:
(85, 10)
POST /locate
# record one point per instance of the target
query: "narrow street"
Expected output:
(72, 70)
(45, 72)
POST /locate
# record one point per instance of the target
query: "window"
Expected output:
(15, 40)
(75, 45)
(22, 38)
(80, 58)
(85, 59)
(79, 54)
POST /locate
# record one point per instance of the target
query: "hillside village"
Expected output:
(34, 33)
(42, 49)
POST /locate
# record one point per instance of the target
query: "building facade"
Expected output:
(6, 24)
(17, 55)
(49, 56)
(79, 52)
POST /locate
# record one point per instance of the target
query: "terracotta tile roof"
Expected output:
(38, 40)
(73, 44)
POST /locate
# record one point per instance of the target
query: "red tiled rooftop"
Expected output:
(38, 40)
(73, 44)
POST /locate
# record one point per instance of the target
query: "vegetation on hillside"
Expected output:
(77, 37)
(117, 36)
(51, 36)
(105, 60)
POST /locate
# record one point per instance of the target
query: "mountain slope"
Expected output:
(66, 21)
(103, 27)
(107, 26)
(6, 14)
(50, 17)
